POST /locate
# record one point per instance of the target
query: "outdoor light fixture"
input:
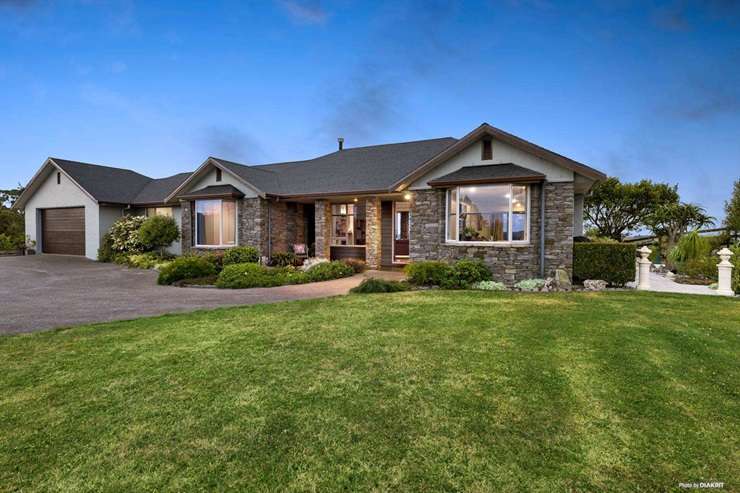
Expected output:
(355, 199)
(407, 196)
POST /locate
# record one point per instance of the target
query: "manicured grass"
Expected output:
(422, 391)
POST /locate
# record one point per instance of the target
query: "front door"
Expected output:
(401, 232)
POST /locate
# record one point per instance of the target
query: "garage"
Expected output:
(63, 230)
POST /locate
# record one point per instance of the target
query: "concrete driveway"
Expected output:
(48, 291)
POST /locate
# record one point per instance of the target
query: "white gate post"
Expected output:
(724, 285)
(643, 281)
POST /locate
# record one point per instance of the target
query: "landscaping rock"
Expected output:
(562, 280)
(594, 285)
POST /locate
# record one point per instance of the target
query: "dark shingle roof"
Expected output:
(213, 191)
(105, 183)
(158, 189)
(488, 174)
(358, 169)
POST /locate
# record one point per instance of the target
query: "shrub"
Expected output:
(699, 268)
(283, 259)
(12, 241)
(250, 275)
(124, 234)
(374, 285)
(489, 286)
(610, 262)
(312, 261)
(188, 267)
(158, 232)
(428, 272)
(326, 271)
(241, 255)
(148, 260)
(467, 271)
(216, 258)
(691, 246)
(735, 259)
(358, 266)
(106, 252)
(530, 284)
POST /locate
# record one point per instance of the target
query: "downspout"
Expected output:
(542, 230)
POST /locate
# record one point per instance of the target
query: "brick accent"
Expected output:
(252, 222)
(372, 233)
(509, 263)
(322, 219)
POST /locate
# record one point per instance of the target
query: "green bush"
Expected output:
(283, 259)
(241, 255)
(329, 270)
(374, 285)
(610, 262)
(125, 236)
(428, 272)
(105, 251)
(158, 232)
(250, 275)
(12, 241)
(465, 272)
(735, 259)
(699, 268)
(188, 267)
(147, 260)
(358, 266)
(216, 258)
(691, 246)
(530, 284)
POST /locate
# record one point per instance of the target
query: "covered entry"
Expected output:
(63, 231)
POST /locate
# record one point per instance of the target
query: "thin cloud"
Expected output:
(304, 12)
(231, 143)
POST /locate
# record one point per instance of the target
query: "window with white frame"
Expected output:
(215, 223)
(348, 224)
(488, 213)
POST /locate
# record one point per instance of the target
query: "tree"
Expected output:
(11, 221)
(732, 209)
(614, 208)
(158, 232)
(8, 197)
(670, 221)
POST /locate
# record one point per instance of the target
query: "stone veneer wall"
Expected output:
(511, 263)
(322, 224)
(286, 225)
(372, 233)
(251, 225)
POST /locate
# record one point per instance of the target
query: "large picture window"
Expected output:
(348, 224)
(215, 222)
(488, 214)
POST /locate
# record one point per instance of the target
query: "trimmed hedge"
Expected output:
(247, 275)
(610, 262)
(459, 275)
(185, 268)
(428, 272)
(374, 285)
(329, 270)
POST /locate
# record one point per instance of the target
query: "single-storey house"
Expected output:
(489, 194)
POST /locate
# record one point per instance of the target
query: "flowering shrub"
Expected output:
(124, 235)
(312, 261)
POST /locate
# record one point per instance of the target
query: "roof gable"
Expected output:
(105, 183)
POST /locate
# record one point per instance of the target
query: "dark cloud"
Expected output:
(304, 12)
(231, 143)
(411, 47)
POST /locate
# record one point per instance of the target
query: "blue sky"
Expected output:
(638, 89)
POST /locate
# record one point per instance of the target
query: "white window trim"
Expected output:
(506, 243)
(220, 227)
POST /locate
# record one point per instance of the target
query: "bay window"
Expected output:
(215, 223)
(348, 224)
(488, 214)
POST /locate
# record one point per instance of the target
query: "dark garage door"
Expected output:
(63, 231)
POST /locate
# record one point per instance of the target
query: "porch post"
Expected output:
(322, 227)
(372, 232)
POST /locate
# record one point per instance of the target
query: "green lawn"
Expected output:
(422, 391)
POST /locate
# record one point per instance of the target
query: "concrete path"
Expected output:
(662, 284)
(48, 291)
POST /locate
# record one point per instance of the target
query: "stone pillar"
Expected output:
(186, 226)
(322, 224)
(643, 281)
(372, 233)
(724, 284)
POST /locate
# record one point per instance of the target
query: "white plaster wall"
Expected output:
(107, 216)
(65, 194)
(578, 215)
(502, 153)
(226, 179)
